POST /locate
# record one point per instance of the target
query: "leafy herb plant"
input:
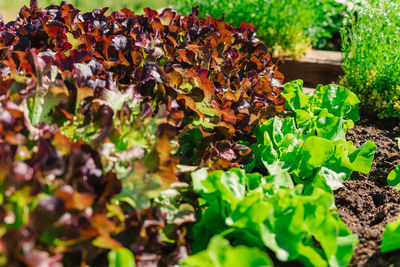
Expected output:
(390, 238)
(371, 48)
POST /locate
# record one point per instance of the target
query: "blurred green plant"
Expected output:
(325, 34)
(371, 48)
(287, 27)
(88, 5)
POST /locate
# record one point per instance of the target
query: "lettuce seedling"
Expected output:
(394, 176)
(390, 239)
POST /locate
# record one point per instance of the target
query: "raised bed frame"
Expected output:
(316, 67)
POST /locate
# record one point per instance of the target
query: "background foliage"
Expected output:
(287, 27)
(371, 48)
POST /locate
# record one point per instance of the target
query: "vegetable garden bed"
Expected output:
(165, 140)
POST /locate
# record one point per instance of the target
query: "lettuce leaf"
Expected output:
(391, 236)
(292, 225)
(220, 253)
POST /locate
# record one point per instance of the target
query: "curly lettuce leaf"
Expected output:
(330, 111)
(312, 144)
(220, 253)
(284, 149)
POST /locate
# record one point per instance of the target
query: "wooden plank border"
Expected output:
(316, 67)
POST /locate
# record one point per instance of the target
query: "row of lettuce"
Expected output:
(366, 28)
(128, 139)
(287, 206)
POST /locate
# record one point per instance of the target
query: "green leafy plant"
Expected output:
(310, 147)
(371, 48)
(292, 225)
(325, 34)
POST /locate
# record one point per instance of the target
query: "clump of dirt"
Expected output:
(366, 203)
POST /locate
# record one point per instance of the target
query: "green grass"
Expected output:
(11, 8)
(371, 48)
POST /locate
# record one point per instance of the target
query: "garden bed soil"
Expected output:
(366, 203)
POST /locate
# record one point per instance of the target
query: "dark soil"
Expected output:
(366, 203)
(383, 134)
